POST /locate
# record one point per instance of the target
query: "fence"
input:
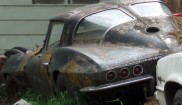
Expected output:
(174, 5)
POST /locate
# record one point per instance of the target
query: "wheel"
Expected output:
(12, 89)
(178, 98)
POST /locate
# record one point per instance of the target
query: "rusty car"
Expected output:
(108, 50)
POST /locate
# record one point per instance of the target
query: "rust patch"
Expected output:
(178, 32)
(70, 70)
(177, 35)
(178, 21)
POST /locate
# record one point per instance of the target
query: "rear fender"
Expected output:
(76, 67)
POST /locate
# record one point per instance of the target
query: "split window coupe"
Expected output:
(108, 50)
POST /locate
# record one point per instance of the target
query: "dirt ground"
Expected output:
(151, 101)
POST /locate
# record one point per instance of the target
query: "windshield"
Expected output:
(55, 34)
(151, 9)
(97, 24)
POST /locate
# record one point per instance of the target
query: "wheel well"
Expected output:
(169, 91)
(55, 76)
(5, 76)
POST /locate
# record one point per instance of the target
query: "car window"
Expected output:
(95, 25)
(55, 34)
(151, 9)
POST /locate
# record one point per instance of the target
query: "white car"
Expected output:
(169, 80)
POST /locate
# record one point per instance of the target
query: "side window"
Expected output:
(55, 34)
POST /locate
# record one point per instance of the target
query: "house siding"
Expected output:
(23, 23)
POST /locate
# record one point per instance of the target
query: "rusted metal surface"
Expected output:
(94, 65)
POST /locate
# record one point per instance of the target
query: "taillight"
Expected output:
(124, 73)
(137, 70)
(111, 75)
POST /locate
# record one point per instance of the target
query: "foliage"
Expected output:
(36, 99)
(61, 99)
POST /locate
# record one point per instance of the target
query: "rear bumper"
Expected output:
(145, 78)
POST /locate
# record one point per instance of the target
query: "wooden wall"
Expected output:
(174, 5)
(25, 24)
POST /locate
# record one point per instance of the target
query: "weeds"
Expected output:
(36, 99)
(61, 99)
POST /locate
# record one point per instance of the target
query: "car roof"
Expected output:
(82, 11)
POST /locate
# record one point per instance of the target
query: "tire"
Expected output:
(12, 89)
(63, 85)
(22, 49)
(60, 85)
(11, 52)
(178, 98)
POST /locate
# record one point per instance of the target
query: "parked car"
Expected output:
(169, 80)
(107, 50)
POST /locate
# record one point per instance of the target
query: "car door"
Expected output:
(37, 68)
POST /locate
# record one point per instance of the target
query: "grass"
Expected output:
(37, 99)
(61, 99)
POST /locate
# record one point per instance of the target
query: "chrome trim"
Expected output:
(117, 84)
(127, 75)
(134, 69)
(114, 76)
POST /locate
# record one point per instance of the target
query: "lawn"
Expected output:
(61, 99)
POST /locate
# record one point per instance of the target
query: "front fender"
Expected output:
(12, 64)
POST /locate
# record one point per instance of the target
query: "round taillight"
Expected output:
(137, 70)
(124, 73)
(111, 75)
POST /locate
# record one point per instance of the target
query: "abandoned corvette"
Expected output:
(107, 50)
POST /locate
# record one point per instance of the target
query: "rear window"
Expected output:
(95, 25)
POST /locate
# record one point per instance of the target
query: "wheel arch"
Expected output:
(63, 56)
(5, 75)
(55, 75)
(170, 90)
